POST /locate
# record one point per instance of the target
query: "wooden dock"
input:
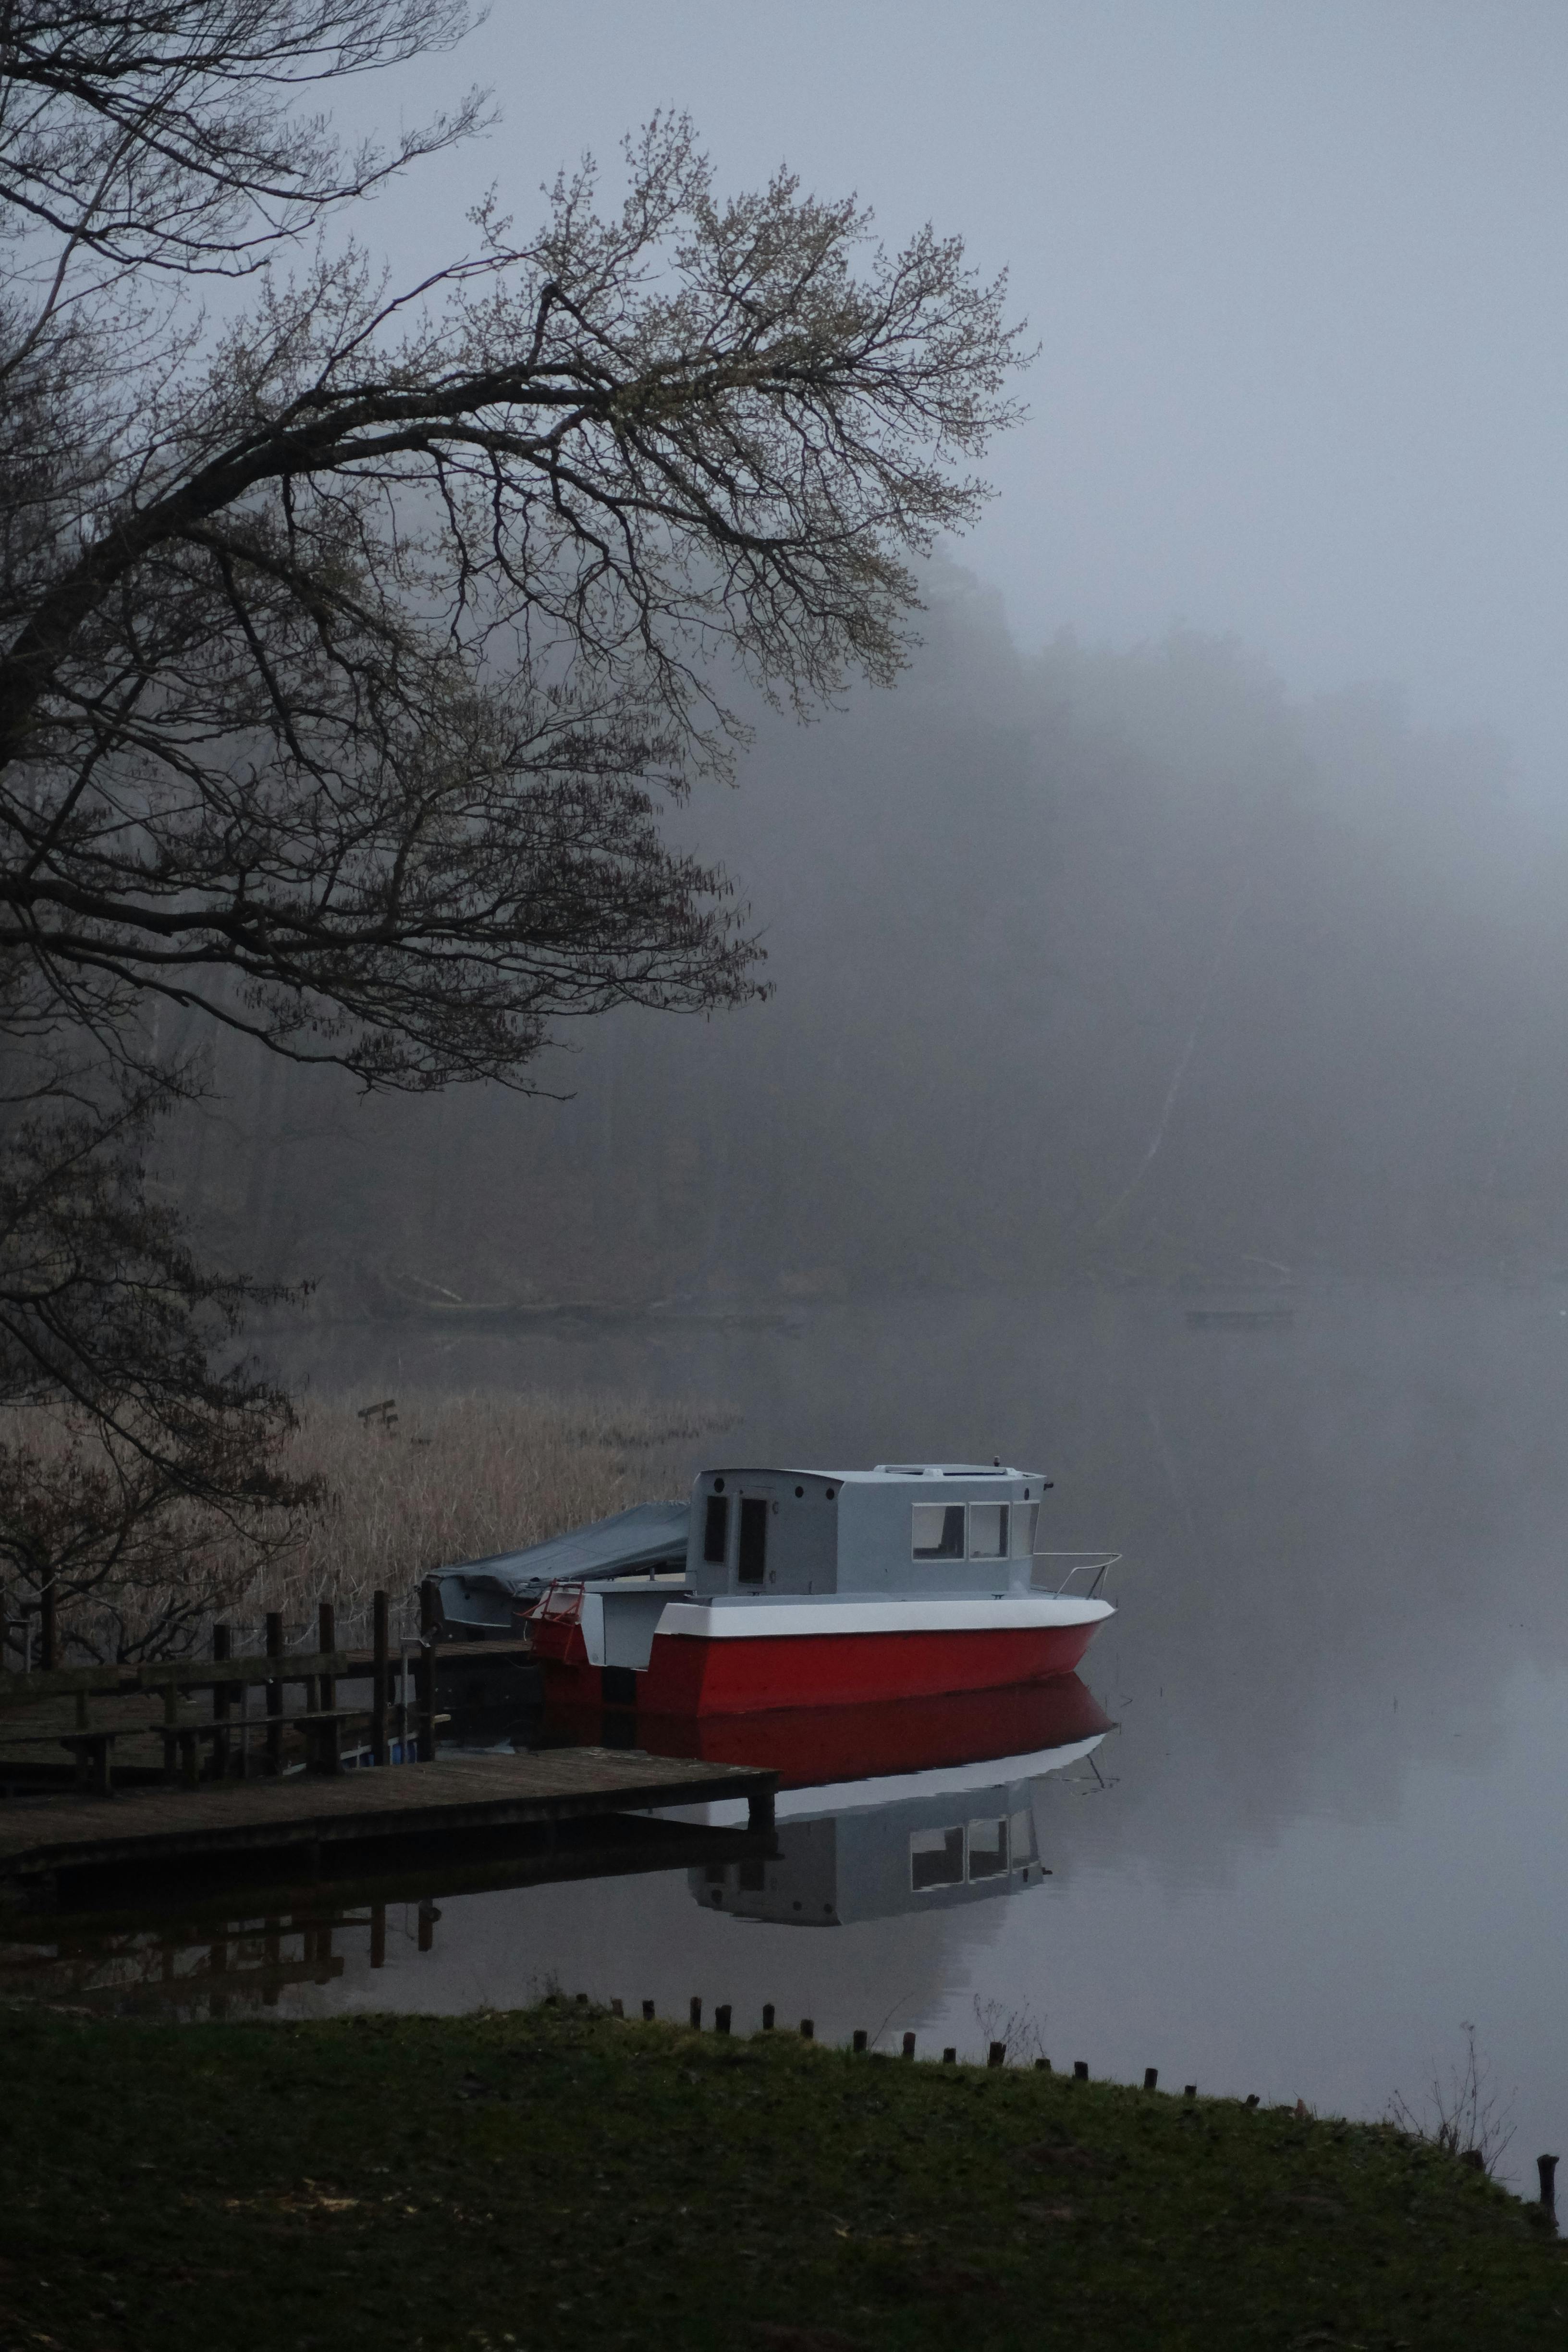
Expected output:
(46, 1838)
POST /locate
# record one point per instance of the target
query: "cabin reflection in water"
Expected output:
(927, 1852)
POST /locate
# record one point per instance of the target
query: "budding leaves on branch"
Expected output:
(357, 663)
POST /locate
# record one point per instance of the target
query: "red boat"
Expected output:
(810, 1588)
(813, 1747)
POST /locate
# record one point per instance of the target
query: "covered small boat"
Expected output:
(493, 1598)
(797, 1588)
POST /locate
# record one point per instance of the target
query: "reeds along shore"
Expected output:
(438, 1478)
(412, 1482)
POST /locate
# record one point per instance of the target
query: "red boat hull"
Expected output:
(689, 1676)
(807, 1747)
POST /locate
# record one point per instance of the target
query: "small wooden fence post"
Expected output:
(50, 1629)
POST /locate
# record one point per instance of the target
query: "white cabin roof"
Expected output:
(884, 1474)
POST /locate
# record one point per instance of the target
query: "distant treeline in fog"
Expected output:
(1110, 965)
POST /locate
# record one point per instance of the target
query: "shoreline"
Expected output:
(549, 2177)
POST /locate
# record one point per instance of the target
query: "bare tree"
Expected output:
(349, 647)
(126, 1438)
(1468, 2117)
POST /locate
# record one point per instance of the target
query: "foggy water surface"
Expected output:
(1325, 1830)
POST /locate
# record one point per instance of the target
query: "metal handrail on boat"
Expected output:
(1099, 1560)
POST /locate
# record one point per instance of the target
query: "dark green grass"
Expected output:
(552, 2179)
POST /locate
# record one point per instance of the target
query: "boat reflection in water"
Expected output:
(906, 1806)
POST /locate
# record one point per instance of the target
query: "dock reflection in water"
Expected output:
(881, 1811)
(183, 1969)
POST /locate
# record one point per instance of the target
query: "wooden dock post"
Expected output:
(404, 1673)
(425, 1673)
(329, 1742)
(859, 2043)
(380, 1746)
(1546, 2166)
(767, 2017)
(378, 1935)
(424, 1700)
(996, 2055)
(171, 1719)
(275, 1695)
(51, 1628)
(909, 2045)
(221, 1650)
(1151, 2078)
(697, 2012)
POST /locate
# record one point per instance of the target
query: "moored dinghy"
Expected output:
(806, 1588)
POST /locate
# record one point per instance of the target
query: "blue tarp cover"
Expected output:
(640, 1538)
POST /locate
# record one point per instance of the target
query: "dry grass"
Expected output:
(456, 1478)
(441, 1478)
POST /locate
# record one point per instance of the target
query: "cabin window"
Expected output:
(753, 1539)
(936, 1859)
(987, 1849)
(938, 1530)
(716, 1531)
(1025, 1521)
(988, 1530)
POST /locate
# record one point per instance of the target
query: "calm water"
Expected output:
(1326, 1827)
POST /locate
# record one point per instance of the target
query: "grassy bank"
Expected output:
(551, 2178)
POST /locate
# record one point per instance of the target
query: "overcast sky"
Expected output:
(1298, 271)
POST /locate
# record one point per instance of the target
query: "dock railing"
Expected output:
(398, 1725)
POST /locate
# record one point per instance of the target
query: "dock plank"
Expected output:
(70, 1832)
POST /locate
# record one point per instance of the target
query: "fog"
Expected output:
(1296, 275)
(1192, 909)
(1087, 965)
